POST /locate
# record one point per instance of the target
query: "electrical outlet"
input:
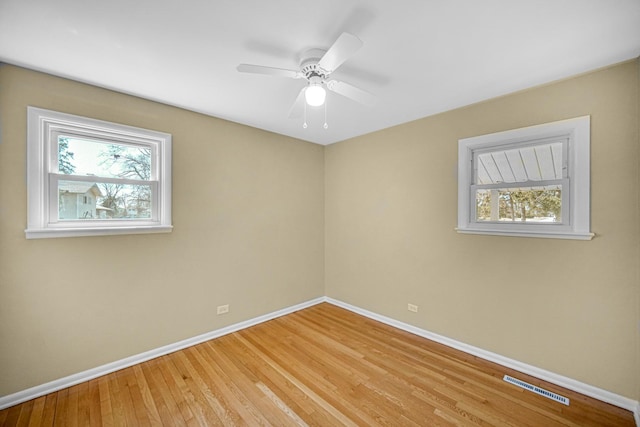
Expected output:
(412, 307)
(222, 309)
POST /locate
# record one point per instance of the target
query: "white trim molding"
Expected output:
(45, 128)
(562, 381)
(80, 377)
(575, 135)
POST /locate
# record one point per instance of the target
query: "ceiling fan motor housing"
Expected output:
(309, 65)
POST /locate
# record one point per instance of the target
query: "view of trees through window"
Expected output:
(97, 198)
(521, 204)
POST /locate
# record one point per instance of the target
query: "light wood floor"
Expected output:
(319, 366)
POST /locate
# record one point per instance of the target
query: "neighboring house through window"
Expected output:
(74, 201)
(532, 181)
(90, 177)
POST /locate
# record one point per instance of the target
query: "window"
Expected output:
(532, 181)
(87, 177)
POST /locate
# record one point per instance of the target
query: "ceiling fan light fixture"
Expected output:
(315, 95)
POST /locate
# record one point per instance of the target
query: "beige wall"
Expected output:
(248, 217)
(571, 307)
(257, 215)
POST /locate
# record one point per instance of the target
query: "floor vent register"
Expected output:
(542, 392)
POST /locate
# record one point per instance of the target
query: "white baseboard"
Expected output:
(562, 381)
(71, 380)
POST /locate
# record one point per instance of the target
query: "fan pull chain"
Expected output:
(304, 125)
(326, 126)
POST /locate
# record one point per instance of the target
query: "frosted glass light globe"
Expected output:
(315, 95)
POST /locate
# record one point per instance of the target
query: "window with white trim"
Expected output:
(88, 177)
(531, 182)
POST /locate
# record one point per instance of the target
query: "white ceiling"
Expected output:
(420, 57)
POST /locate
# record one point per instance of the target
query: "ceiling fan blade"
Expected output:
(298, 105)
(346, 45)
(269, 71)
(352, 92)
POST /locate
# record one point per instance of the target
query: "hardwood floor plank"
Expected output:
(167, 407)
(48, 415)
(217, 393)
(203, 404)
(281, 405)
(145, 415)
(12, 415)
(95, 407)
(326, 383)
(83, 404)
(106, 410)
(35, 418)
(145, 394)
(292, 383)
(25, 414)
(116, 400)
(252, 370)
(61, 407)
(348, 374)
(299, 384)
(72, 406)
(179, 391)
(321, 366)
(126, 400)
(221, 372)
(488, 417)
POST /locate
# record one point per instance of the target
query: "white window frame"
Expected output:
(43, 128)
(575, 222)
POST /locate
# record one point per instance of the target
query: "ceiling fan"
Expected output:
(316, 66)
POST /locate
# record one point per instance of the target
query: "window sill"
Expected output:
(520, 233)
(95, 231)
